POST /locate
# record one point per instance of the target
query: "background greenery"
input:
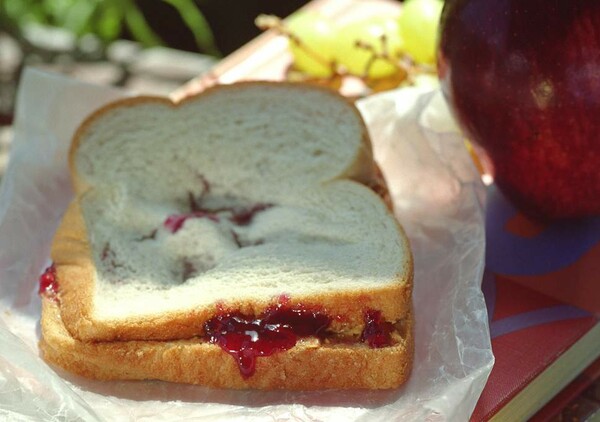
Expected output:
(210, 27)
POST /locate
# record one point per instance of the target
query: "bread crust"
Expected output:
(72, 255)
(307, 366)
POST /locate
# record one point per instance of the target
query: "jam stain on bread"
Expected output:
(241, 216)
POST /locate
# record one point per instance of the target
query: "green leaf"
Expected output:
(138, 26)
(15, 9)
(197, 23)
(56, 10)
(78, 18)
(110, 21)
(35, 13)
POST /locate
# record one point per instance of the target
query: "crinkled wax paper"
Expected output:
(438, 199)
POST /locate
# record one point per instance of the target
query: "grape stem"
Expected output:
(406, 66)
(383, 55)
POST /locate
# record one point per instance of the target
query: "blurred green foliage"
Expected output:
(107, 19)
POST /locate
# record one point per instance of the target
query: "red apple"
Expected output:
(523, 79)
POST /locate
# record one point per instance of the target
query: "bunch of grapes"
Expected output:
(382, 51)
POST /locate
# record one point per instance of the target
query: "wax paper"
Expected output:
(438, 198)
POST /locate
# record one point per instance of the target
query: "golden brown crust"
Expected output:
(72, 257)
(307, 366)
(76, 273)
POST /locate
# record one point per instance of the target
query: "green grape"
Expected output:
(378, 33)
(419, 22)
(314, 54)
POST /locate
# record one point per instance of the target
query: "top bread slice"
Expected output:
(236, 199)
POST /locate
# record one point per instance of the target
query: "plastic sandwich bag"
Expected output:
(438, 198)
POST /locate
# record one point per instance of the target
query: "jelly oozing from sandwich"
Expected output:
(246, 338)
(49, 282)
(377, 332)
(278, 329)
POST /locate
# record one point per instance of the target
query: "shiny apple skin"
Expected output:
(523, 79)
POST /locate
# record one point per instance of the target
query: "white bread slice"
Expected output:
(324, 241)
(323, 263)
(311, 365)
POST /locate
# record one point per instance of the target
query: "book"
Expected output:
(577, 401)
(542, 300)
(540, 345)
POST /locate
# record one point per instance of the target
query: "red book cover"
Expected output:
(530, 330)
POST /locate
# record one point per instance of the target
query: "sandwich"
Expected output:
(241, 238)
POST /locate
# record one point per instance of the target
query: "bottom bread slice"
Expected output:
(309, 365)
